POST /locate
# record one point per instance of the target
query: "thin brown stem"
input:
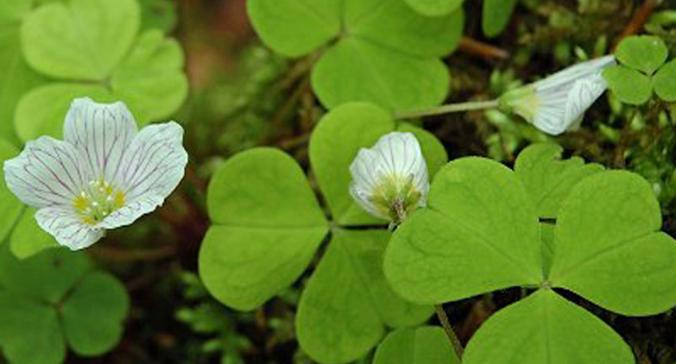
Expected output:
(452, 337)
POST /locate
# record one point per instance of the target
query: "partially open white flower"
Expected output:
(103, 175)
(557, 103)
(390, 179)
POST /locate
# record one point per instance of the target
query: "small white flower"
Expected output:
(557, 103)
(390, 179)
(105, 174)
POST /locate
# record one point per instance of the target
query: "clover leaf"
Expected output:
(495, 16)
(10, 206)
(421, 345)
(336, 141)
(57, 295)
(605, 245)
(267, 227)
(382, 52)
(645, 53)
(109, 63)
(335, 325)
(546, 328)
(28, 238)
(629, 85)
(434, 7)
(547, 178)
(663, 82)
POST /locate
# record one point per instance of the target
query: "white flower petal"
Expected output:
(68, 228)
(48, 172)
(575, 72)
(131, 212)
(102, 132)
(155, 162)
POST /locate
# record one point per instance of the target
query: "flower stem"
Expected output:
(443, 318)
(448, 108)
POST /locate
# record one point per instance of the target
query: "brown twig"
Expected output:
(482, 50)
(639, 19)
(452, 337)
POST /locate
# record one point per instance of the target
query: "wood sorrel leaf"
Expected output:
(495, 16)
(645, 53)
(630, 86)
(28, 238)
(347, 303)
(664, 82)
(547, 178)
(10, 206)
(335, 143)
(422, 345)
(544, 328)
(608, 247)
(267, 227)
(479, 233)
(80, 40)
(434, 7)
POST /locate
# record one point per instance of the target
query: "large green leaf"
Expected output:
(422, 345)
(495, 16)
(335, 143)
(295, 27)
(81, 40)
(17, 79)
(479, 233)
(42, 111)
(347, 303)
(544, 328)
(29, 331)
(10, 206)
(645, 53)
(664, 82)
(28, 238)
(150, 79)
(608, 246)
(11, 11)
(360, 70)
(92, 314)
(267, 226)
(547, 178)
(434, 7)
(630, 86)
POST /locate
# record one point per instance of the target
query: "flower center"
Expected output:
(98, 200)
(396, 196)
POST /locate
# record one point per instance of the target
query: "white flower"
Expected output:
(557, 103)
(390, 179)
(105, 174)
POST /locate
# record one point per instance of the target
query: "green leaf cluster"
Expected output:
(642, 70)
(268, 227)
(55, 300)
(61, 50)
(495, 16)
(484, 231)
(421, 345)
(382, 52)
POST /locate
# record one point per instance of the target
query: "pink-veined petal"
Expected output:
(68, 228)
(102, 132)
(155, 162)
(48, 172)
(131, 211)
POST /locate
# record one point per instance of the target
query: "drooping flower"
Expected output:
(390, 179)
(103, 175)
(557, 103)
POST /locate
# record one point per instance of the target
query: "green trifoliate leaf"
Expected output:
(80, 40)
(422, 345)
(359, 70)
(30, 332)
(664, 82)
(495, 16)
(480, 233)
(18, 78)
(92, 314)
(608, 246)
(267, 227)
(335, 143)
(547, 178)
(10, 206)
(150, 80)
(347, 303)
(295, 27)
(28, 238)
(158, 14)
(645, 53)
(630, 86)
(544, 328)
(42, 111)
(434, 7)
